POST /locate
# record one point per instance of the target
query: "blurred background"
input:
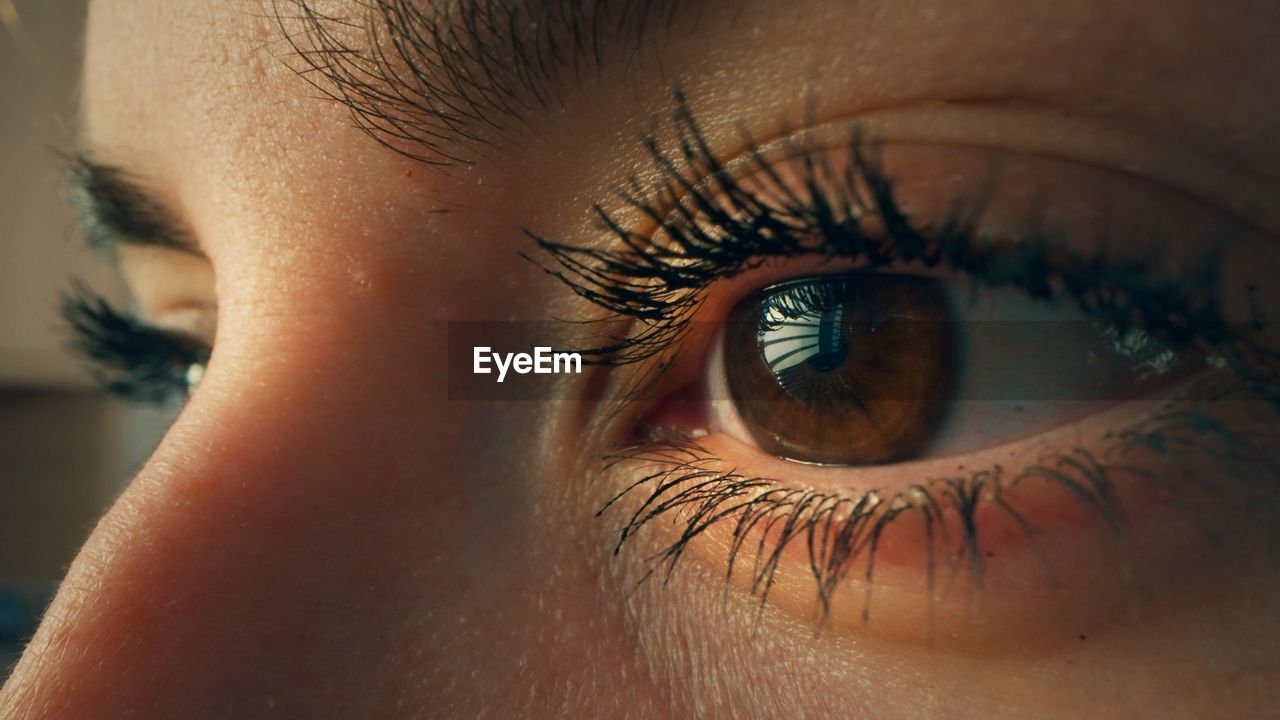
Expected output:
(66, 449)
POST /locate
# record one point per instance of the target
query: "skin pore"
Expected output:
(324, 532)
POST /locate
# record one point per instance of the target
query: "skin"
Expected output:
(324, 533)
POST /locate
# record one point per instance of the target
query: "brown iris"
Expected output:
(844, 369)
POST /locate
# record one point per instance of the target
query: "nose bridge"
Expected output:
(253, 546)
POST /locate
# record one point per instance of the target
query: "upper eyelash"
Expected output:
(132, 360)
(716, 227)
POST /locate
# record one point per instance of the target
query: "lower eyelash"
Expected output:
(841, 531)
(838, 530)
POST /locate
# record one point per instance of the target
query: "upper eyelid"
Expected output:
(1175, 169)
(1044, 130)
(630, 281)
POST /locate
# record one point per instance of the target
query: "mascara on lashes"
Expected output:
(714, 226)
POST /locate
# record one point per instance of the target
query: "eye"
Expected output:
(873, 368)
(131, 359)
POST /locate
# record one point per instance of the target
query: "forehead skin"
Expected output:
(329, 534)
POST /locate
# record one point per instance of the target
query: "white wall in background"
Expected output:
(40, 55)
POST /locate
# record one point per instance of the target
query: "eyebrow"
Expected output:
(114, 208)
(433, 80)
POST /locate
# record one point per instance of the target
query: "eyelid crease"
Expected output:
(1010, 125)
(1051, 132)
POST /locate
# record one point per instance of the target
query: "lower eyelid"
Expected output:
(1042, 544)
